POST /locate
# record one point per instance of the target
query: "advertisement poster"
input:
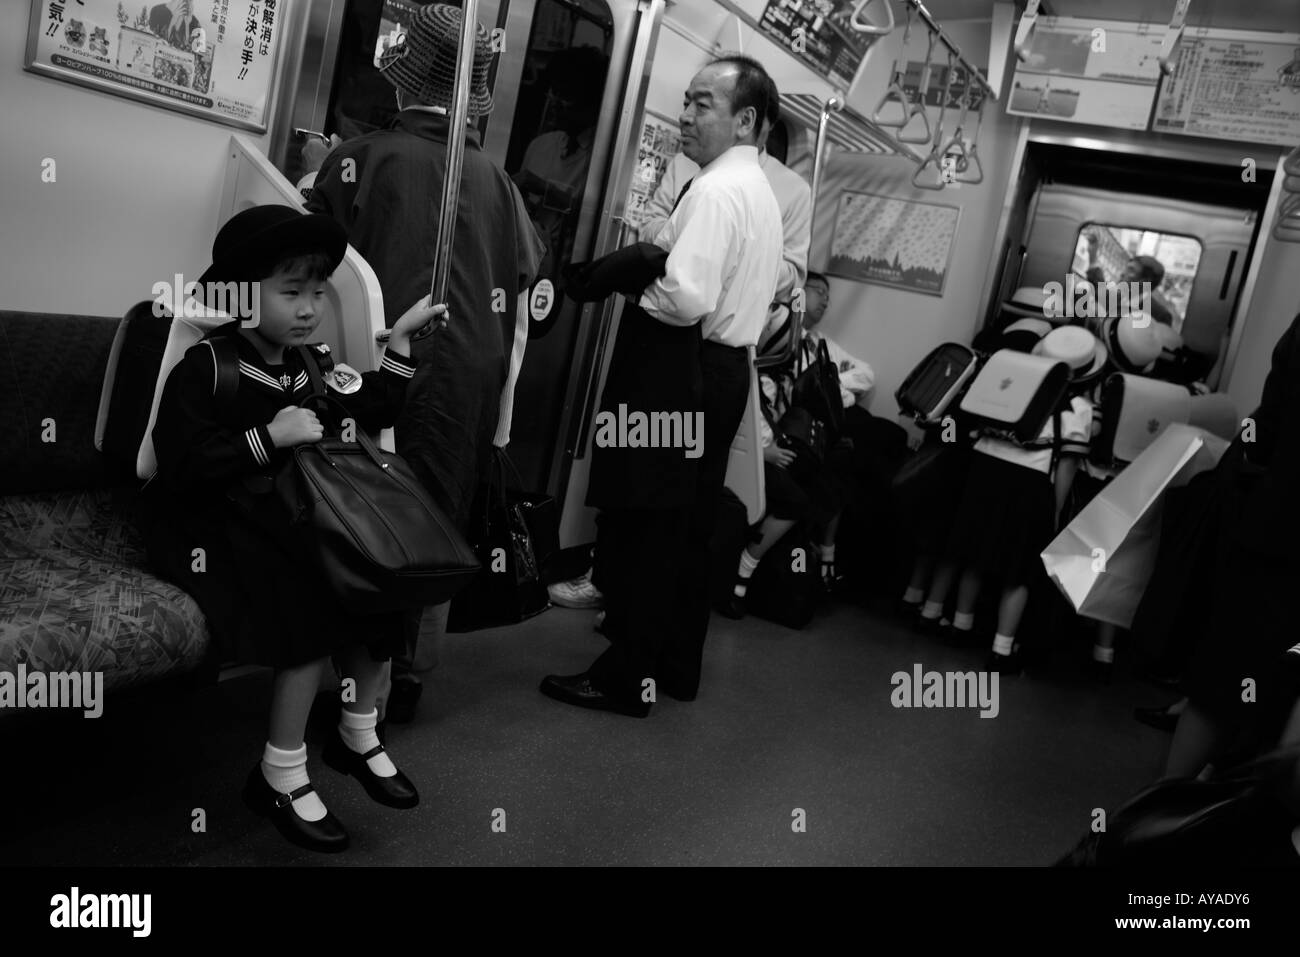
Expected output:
(818, 33)
(893, 242)
(660, 142)
(1234, 86)
(210, 58)
(1100, 72)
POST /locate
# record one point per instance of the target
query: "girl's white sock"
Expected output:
(1003, 644)
(286, 771)
(358, 733)
(748, 564)
(963, 621)
(1106, 655)
(913, 596)
(932, 610)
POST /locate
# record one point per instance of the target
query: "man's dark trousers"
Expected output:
(653, 564)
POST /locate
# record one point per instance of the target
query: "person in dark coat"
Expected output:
(214, 527)
(385, 188)
(1234, 683)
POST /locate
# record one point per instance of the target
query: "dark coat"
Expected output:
(655, 367)
(385, 188)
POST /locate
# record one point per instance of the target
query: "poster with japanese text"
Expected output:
(660, 142)
(1234, 86)
(210, 58)
(818, 33)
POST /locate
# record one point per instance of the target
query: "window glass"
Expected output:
(1124, 254)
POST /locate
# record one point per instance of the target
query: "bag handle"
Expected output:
(319, 394)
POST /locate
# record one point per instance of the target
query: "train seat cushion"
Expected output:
(51, 372)
(75, 594)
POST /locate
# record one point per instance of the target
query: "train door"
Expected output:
(568, 85)
(1089, 212)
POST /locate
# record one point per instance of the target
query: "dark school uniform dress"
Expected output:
(1250, 608)
(1006, 516)
(385, 188)
(263, 601)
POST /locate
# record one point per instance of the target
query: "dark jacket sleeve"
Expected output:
(628, 270)
(194, 442)
(377, 404)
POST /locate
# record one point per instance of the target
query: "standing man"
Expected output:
(385, 187)
(658, 505)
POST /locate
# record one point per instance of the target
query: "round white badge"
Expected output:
(542, 299)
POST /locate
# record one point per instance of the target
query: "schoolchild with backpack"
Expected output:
(1016, 487)
(215, 528)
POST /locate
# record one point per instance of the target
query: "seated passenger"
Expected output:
(216, 463)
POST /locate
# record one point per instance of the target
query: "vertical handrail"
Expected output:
(459, 113)
(833, 105)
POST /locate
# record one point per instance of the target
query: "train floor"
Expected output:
(793, 754)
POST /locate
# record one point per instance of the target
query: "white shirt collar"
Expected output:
(740, 155)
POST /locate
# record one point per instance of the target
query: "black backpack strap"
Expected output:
(1057, 442)
(312, 365)
(774, 342)
(225, 362)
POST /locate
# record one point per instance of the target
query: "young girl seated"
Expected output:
(214, 527)
(797, 489)
(1012, 500)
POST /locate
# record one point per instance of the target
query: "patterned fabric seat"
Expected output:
(75, 591)
(75, 594)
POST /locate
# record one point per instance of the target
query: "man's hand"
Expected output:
(315, 150)
(778, 456)
(415, 319)
(295, 426)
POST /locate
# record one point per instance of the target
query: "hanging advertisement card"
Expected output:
(209, 58)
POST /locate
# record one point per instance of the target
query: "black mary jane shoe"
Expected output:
(733, 607)
(578, 691)
(326, 835)
(1011, 664)
(396, 791)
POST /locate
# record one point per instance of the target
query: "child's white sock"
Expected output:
(358, 733)
(746, 571)
(286, 771)
(963, 621)
(932, 610)
(827, 552)
(1106, 655)
(913, 596)
(1003, 644)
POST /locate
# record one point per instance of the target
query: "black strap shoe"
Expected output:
(578, 691)
(326, 835)
(396, 791)
(1011, 664)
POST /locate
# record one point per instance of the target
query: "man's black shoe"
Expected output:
(578, 691)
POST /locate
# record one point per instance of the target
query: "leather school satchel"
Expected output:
(1014, 394)
(937, 381)
(371, 529)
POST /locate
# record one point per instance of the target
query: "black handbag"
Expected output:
(509, 588)
(370, 527)
(817, 389)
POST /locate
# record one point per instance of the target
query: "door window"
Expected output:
(1106, 255)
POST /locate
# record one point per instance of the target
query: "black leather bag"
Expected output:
(373, 531)
(817, 389)
(513, 534)
(787, 583)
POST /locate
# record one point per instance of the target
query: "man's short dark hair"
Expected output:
(753, 86)
(817, 277)
(773, 115)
